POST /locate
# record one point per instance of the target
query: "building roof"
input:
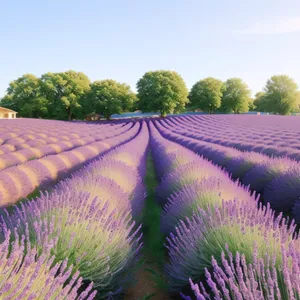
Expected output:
(7, 109)
(93, 115)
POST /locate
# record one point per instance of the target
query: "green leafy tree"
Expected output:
(251, 104)
(24, 96)
(297, 108)
(64, 92)
(109, 97)
(136, 104)
(236, 96)
(281, 95)
(206, 94)
(162, 91)
(260, 102)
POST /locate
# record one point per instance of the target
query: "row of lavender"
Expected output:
(22, 133)
(43, 135)
(19, 181)
(276, 179)
(248, 132)
(32, 150)
(271, 142)
(84, 226)
(219, 231)
(26, 129)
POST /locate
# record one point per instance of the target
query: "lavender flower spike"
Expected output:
(27, 274)
(241, 279)
(237, 226)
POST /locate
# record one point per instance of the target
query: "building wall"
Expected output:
(7, 115)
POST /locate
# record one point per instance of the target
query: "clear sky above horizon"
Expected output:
(121, 40)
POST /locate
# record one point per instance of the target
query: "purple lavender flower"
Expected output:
(236, 226)
(166, 163)
(126, 177)
(27, 274)
(284, 190)
(187, 174)
(201, 194)
(45, 171)
(104, 189)
(14, 184)
(6, 149)
(11, 159)
(36, 143)
(245, 280)
(260, 175)
(239, 165)
(99, 242)
(15, 141)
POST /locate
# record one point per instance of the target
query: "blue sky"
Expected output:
(251, 39)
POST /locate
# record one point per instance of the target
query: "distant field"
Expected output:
(153, 114)
(183, 207)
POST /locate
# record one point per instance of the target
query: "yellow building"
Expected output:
(92, 117)
(6, 113)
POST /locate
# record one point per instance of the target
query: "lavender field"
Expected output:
(183, 207)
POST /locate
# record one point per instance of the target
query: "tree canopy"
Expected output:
(110, 97)
(63, 92)
(162, 91)
(70, 94)
(206, 94)
(280, 95)
(260, 102)
(251, 104)
(25, 97)
(236, 96)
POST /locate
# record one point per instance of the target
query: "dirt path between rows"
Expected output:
(145, 287)
(150, 282)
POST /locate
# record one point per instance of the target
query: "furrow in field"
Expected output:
(43, 136)
(271, 142)
(18, 157)
(206, 215)
(20, 181)
(92, 217)
(275, 179)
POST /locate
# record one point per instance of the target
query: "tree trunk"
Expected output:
(163, 114)
(69, 114)
(107, 116)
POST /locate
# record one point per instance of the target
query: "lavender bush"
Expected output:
(126, 177)
(236, 224)
(187, 174)
(240, 165)
(27, 274)
(284, 191)
(201, 194)
(236, 278)
(45, 171)
(260, 175)
(100, 244)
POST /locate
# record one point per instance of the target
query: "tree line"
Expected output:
(71, 95)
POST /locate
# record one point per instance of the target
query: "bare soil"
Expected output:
(145, 286)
